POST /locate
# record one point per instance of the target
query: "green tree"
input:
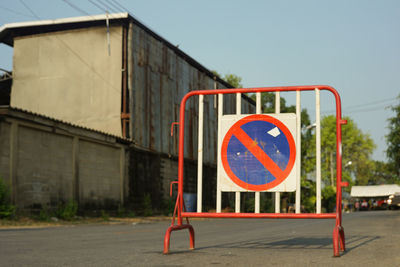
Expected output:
(230, 78)
(268, 103)
(393, 140)
(383, 174)
(357, 148)
(233, 80)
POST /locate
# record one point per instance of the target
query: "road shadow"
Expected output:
(324, 242)
(354, 242)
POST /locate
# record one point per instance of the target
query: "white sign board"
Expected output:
(258, 153)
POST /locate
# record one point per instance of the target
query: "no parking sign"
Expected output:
(258, 152)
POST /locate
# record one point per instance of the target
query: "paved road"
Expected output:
(373, 239)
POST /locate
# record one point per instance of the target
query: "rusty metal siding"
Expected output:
(160, 79)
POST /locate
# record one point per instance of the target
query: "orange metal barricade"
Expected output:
(180, 210)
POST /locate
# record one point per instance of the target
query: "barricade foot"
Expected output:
(175, 228)
(338, 241)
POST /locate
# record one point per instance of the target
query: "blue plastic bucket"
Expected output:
(190, 200)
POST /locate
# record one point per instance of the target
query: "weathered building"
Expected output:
(112, 74)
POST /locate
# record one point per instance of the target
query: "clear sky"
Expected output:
(353, 46)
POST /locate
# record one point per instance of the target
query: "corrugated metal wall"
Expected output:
(159, 78)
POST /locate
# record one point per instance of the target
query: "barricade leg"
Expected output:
(174, 228)
(335, 237)
(342, 239)
(178, 213)
(338, 240)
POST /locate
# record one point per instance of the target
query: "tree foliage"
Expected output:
(357, 149)
(382, 173)
(232, 79)
(393, 140)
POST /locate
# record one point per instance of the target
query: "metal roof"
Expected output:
(374, 190)
(13, 111)
(11, 30)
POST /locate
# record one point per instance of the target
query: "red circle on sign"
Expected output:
(282, 174)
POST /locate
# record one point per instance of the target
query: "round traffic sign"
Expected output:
(258, 152)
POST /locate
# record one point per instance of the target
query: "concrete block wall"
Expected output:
(5, 129)
(47, 162)
(43, 168)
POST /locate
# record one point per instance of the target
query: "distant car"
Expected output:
(382, 204)
(394, 201)
(364, 205)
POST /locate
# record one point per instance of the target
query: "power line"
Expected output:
(121, 6)
(374, 102)
(75, 7)
(107, 6)
(366, 109)
(360, 108)
(104, 8)
(16, 12)
(115, 6)
(85, 13)
(30, 10)
(99, 7)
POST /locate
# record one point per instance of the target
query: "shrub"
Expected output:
(44, 215)
(67, 212)
(6, 209)
(105, 216)
(147, 206)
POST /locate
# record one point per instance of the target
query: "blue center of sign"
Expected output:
(245, 165)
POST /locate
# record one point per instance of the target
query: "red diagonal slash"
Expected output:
(260, 155)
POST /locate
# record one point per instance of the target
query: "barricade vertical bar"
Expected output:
(298, 154)
(318, 148)
(258, 103)
(277, 111)
(257, 194)
(238, 112)
(200, 155)
(220, 112)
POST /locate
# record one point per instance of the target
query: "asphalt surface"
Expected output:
(372, 239)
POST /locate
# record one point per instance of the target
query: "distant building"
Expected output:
(371, 191)
(122, 80)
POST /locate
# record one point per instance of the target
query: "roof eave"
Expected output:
(7, 30)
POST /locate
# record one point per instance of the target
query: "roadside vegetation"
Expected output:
(7, 211)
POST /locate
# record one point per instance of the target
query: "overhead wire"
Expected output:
(121, 6)
(29, 9)
(111, 16)
(103, 8)
(75, 7)
(365, 107)
(15, 12)
(114, 6)
(107, 6)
